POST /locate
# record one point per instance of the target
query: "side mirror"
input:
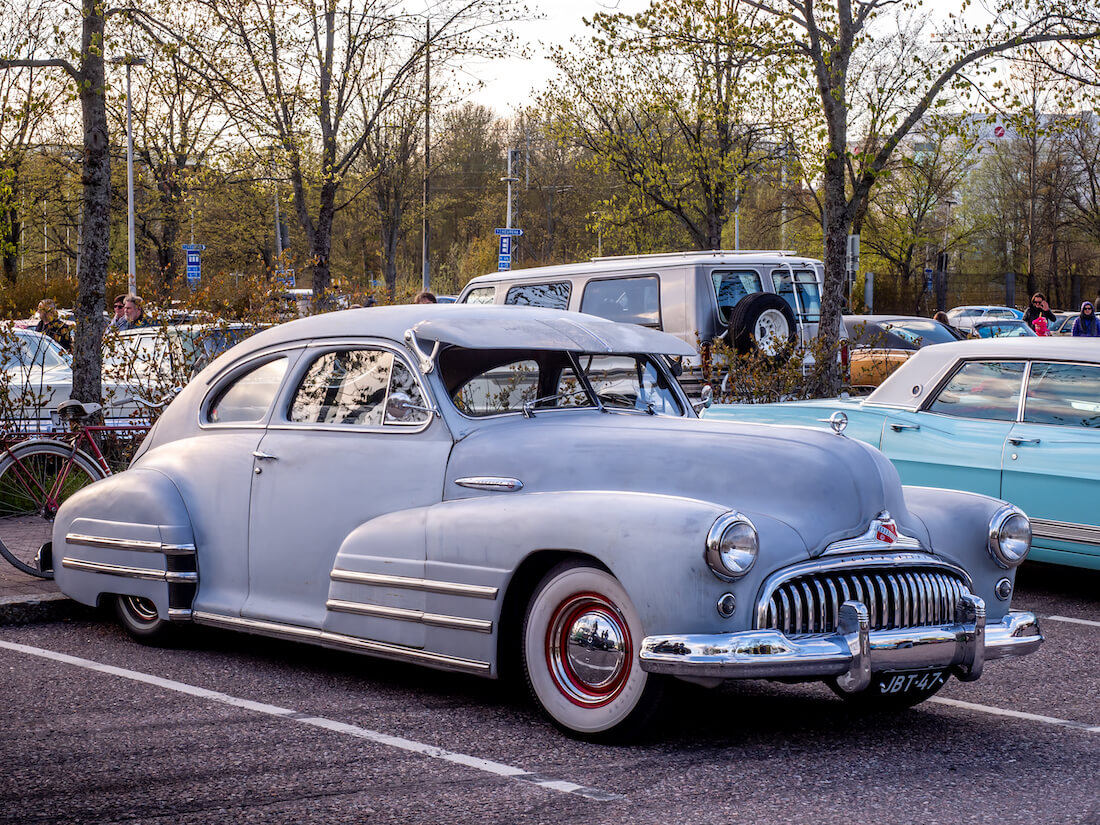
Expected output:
(706, 398)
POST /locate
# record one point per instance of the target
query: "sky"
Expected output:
(509, 81)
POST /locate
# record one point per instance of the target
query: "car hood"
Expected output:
(822, 485)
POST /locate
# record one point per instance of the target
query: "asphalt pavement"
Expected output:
(25, 599)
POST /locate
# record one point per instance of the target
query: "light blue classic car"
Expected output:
(477, 487)
(1014, 418)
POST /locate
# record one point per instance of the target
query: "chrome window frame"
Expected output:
(224, 378)
(315, 350)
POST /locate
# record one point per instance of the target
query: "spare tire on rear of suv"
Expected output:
(763, 321)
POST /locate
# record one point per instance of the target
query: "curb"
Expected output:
(49, 607)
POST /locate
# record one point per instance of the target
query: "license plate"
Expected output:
(899, 684)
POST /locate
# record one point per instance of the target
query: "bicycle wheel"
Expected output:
(35, 478)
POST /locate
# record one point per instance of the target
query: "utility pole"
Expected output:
(427, 279)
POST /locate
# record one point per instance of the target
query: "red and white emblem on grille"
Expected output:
(886, 531)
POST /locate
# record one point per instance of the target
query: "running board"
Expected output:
(341, 641)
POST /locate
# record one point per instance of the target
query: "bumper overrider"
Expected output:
(852, 653)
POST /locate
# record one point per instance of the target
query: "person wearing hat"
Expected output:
(1086, 324)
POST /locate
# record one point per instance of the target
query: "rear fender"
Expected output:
(132, 537)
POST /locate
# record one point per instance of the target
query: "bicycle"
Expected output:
(37, 475)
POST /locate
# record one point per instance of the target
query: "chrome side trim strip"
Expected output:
(491, 483)
(143, 573)
(1066, 531)
(475, 591)
(405, 615)
(339, 640)
(179, 614)
(129, 544)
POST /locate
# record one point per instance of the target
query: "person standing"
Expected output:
(49, 324)
(1086, 324)
(1039, 308)
(134, 314)
(120, 312)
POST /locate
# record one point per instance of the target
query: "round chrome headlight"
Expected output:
(732, 545)
(1009, 536)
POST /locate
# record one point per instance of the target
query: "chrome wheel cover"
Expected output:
(588, 650)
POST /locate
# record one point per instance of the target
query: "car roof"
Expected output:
(482, 326)
(916, 378)
(644, 264)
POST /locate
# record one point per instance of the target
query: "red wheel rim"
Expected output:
(589, 650)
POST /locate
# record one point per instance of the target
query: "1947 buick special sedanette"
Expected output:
(465, 487)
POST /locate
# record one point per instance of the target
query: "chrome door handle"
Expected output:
(264, 456)
(899, 427)
(1017, 441)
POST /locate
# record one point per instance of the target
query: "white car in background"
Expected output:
(963, 318)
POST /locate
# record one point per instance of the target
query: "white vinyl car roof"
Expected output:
(910, 385)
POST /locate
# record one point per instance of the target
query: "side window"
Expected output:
(554, 296)
(359, 387)
(502, 389)
(481, 295)
(1063, 394)
(982, 389)
(628, 300)
(248, 398)
(730, 286)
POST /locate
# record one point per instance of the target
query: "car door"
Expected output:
(340, 453)
(1050, 466)
(957, 439)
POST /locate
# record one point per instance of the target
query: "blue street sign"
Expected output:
(285, 277)
(194, 263)
(928, 279)
(504, 262)
(505, 245)
(508, 231)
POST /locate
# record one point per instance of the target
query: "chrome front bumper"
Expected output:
(851, 654)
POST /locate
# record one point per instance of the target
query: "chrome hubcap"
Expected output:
(141, 609)
(588, 650)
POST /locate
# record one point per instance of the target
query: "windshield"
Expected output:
(920, 333)
(21, 351)
(496, 382)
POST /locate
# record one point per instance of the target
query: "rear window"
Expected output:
(248, 398)
(554, 296)
(481, 295)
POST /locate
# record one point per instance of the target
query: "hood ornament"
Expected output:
(839, 422)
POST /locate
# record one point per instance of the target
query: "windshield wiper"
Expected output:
(529, 406)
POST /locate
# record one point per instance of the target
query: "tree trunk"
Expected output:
(322, 240)
(92, 283)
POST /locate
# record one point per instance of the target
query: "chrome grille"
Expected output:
(895, 598)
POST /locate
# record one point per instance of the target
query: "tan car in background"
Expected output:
(879, 344)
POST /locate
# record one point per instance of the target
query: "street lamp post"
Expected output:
(131, 283)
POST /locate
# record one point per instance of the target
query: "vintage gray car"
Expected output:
(468, 487)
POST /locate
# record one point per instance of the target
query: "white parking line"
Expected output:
(1016, 714)
(1088, 622)
(409, 745)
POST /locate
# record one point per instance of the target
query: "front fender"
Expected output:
(128, 534)
(653, 544)
(958, 531)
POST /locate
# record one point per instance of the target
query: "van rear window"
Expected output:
(627, 300)
(554, 296)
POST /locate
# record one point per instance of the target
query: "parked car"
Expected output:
(468, 486)
(1006, 417)
(1063, 323)
(1002, 328)
(160, 358)
(37, 375)
(879, 344)
(963, 317)
(749, 299)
